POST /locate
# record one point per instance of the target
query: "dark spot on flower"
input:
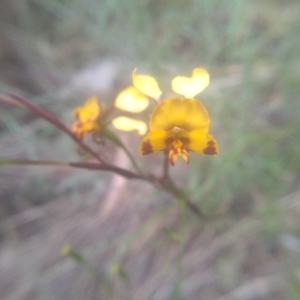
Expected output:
(146, 148)
(169, 141)
(185, 141)
(210, 149)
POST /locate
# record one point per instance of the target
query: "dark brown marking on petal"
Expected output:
(185, 141)
(210, 148)
(146, 147)
(169, 141)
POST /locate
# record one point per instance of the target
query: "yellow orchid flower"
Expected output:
(87, 117)
(178, 126)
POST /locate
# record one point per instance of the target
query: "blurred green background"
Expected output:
(59, 52)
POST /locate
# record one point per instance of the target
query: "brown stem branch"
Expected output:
(165, 182)
(106, 167)
(53, 120)
(81, 165)
(168, 184)
(181, 195)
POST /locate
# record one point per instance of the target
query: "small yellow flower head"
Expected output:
(129, 124)
(87, 117)
(179, 126)
(132, 100)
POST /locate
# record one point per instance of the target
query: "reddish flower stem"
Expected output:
(53, 120)
(165, 182)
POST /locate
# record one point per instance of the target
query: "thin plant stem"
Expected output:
(81, 260)
(80, 165)
(53, 120)
(167, 186)
(165, 182)
(170, 186)
(181, 195)
(115, 139)
(131, 158)
(11, 162)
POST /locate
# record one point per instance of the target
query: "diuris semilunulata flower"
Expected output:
(178, 125)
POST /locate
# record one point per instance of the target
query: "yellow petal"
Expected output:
(153, 141)
(187, 114)
(128, 124)
(132, 100)
(91, 127)
(189, 87)
(146, 85)
(201, 142)
(81, 114)
(90, 111)
(93, 108)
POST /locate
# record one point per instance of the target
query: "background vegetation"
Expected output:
(146, 246)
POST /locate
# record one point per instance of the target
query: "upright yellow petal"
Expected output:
(187, 114)
(153, 142)
(91, 127)
(189, 87)
(132, 100)
(201, 142)
(81, 114)
(146, 85)
(93, 107)
(90, 111)
(128, 124)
